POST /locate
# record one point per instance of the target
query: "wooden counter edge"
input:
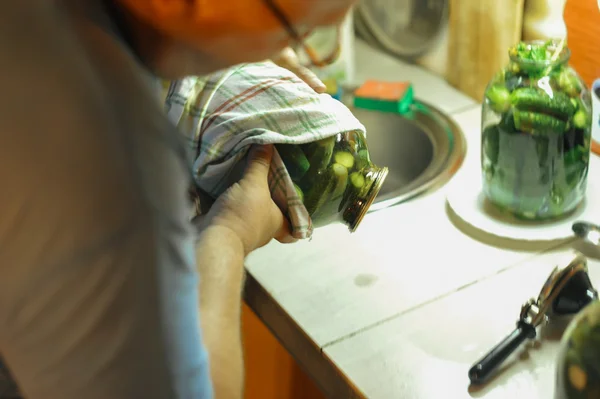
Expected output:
(332, 381)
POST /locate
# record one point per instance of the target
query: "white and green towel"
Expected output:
(223, 114)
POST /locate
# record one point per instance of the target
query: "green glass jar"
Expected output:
(334, 177)
(536, 128)
(578, 368)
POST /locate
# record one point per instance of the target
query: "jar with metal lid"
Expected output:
(334, 177)
(536, 128)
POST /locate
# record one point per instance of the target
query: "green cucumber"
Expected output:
(294, 160)
(491, 144)
(507, 123)
(542, 146)
(581, 119)
(532, 122)
(499, 98)
(317, 195)
(299, 192)
(341, 174)
(356, 189)
(319, 160)
(333, 198)
(310, 148)
(357, 180)
(362, 159)
(568, 82)
(344, 158)
(531, 99)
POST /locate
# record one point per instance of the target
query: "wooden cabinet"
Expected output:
(479, 35)
(582, 18)
(271, 373)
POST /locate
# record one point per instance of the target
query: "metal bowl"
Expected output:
(405, 28)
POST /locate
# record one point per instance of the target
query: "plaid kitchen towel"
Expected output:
(223, 114)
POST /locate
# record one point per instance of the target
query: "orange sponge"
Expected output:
(384, 96)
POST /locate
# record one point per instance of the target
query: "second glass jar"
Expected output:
(536, 128)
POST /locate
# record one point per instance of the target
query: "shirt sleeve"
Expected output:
(98, 289)
(98, 293)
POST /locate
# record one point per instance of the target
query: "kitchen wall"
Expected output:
(467, 61)
(436, 60)
(474, 43)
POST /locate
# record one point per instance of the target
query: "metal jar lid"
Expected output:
(357, 210)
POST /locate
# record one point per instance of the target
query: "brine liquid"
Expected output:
(534, 176)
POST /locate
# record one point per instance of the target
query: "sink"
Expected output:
(423, 149)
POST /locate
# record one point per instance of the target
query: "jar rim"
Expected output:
(562, 58)
(363, 204)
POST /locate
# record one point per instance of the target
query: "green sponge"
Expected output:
(384, 96)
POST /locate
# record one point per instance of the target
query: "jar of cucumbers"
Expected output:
(578, 368)
(334, 177)
(536, 128)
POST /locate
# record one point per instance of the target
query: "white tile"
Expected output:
(400, 258)
(426, 353)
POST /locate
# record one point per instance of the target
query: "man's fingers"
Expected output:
(259, 160)
(283, 235)
(310, 79)
(288, 59)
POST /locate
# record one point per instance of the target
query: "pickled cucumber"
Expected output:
(344, 158)
(299, 192)
(294, 160)
(319, 156)
(533, 99)
(580, 119)
(332, 199)
(568, 82)
(362, 159)
(317, 195)
(490, 143)
(357, 180)
(499, 97)
(533, 122)
(341, 175)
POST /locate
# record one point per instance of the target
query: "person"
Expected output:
(101, 292)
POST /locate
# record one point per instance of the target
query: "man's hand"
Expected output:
(247, 209)
(242, 219)
(288, 59)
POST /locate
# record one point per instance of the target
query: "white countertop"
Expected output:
(404, 306)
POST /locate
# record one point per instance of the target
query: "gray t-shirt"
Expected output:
(98, 286)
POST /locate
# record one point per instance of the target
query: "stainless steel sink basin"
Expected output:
(422, 150)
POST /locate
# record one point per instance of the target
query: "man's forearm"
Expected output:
(220, 259)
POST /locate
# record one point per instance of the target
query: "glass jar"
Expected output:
(536, 127)
(578, 369)
(334, 177)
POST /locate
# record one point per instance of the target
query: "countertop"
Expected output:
(404, 306)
